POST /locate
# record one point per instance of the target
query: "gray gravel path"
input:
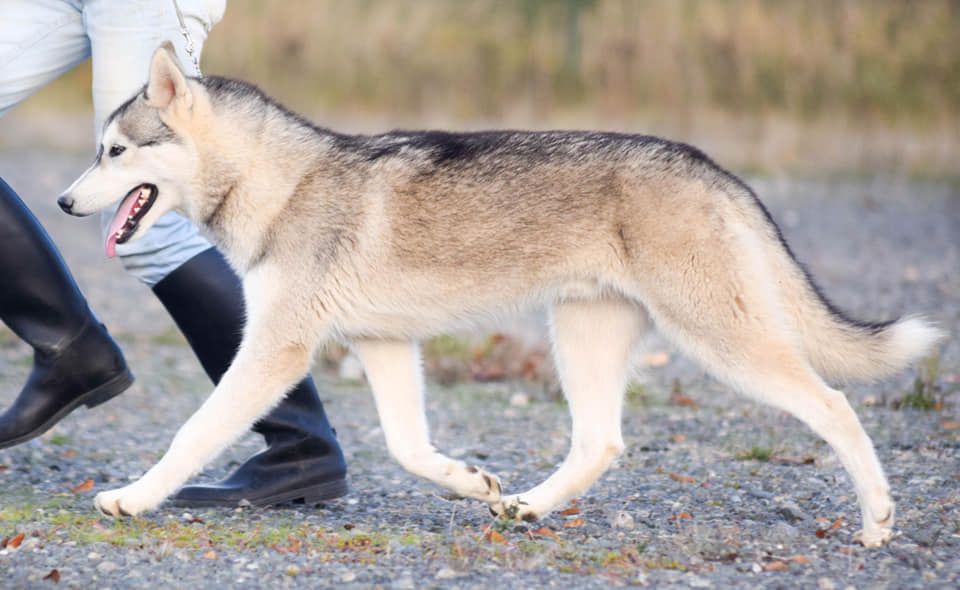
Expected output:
(723, 493)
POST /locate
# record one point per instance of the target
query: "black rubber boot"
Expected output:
(303, 460)
(76, 362)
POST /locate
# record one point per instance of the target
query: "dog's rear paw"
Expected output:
(877, 531)
(876, 537)
(481, 485)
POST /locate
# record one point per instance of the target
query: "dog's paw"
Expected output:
(876, 537)
(476, 483)
(877, 531)
(125, 501)
(514, 508)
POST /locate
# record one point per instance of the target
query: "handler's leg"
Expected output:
(76, 362)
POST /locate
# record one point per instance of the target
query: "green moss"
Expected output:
(755, 453)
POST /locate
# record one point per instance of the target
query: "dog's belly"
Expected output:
(422, 313)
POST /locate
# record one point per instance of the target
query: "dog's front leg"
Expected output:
(395, 374)
(274, 355)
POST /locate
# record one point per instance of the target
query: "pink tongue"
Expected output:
(119, 220)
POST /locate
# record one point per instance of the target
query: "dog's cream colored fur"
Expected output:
(384, 240)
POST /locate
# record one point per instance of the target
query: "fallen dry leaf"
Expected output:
(683, 516)
(4, 467)
(15, 541)
(84, 487)
(775, 566)
(682, 478)
(69, 454)
(292, 547)
(836, 524)
(494, 537)
(53, 576)
(570, 511)
(679, 398)
(210, 554)
(574, 523)
(801, 559)
(950, 424)
(678, 438)
(543, 532)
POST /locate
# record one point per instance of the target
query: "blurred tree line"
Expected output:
(886, 60)
(812, 85)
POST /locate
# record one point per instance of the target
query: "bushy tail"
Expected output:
(844, 349)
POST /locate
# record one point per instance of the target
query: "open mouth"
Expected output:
(132, 209)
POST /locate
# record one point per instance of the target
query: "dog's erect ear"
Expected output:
(167, 81)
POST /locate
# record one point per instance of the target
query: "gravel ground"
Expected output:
(712, 491)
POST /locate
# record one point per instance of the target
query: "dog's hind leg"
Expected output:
(593, 342)
(395, 374)
(761, 360)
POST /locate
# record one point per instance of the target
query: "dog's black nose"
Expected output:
(66, 203)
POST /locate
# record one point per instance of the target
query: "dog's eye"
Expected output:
(116, 150)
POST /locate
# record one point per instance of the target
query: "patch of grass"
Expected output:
(70, 519)
(447, 346)
(638, 394)
(60, 440)
(927, 393)
(755, 453)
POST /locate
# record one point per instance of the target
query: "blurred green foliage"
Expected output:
(805, 85)
(888, 60)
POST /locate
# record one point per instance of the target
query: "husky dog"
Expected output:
(384, 240)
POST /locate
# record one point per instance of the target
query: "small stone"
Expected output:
(782, 533)
(405, 583)
(293, 570)
(623, 520)
(348, 576)
(93, 556)
(791, 512)
(105, 567)
(446, 573)
(694, 581)
(756, 568)
(826, 584)
(519, 400)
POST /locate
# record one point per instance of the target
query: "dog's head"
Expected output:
(147, 156)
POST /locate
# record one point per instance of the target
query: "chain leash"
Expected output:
(190, 47)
